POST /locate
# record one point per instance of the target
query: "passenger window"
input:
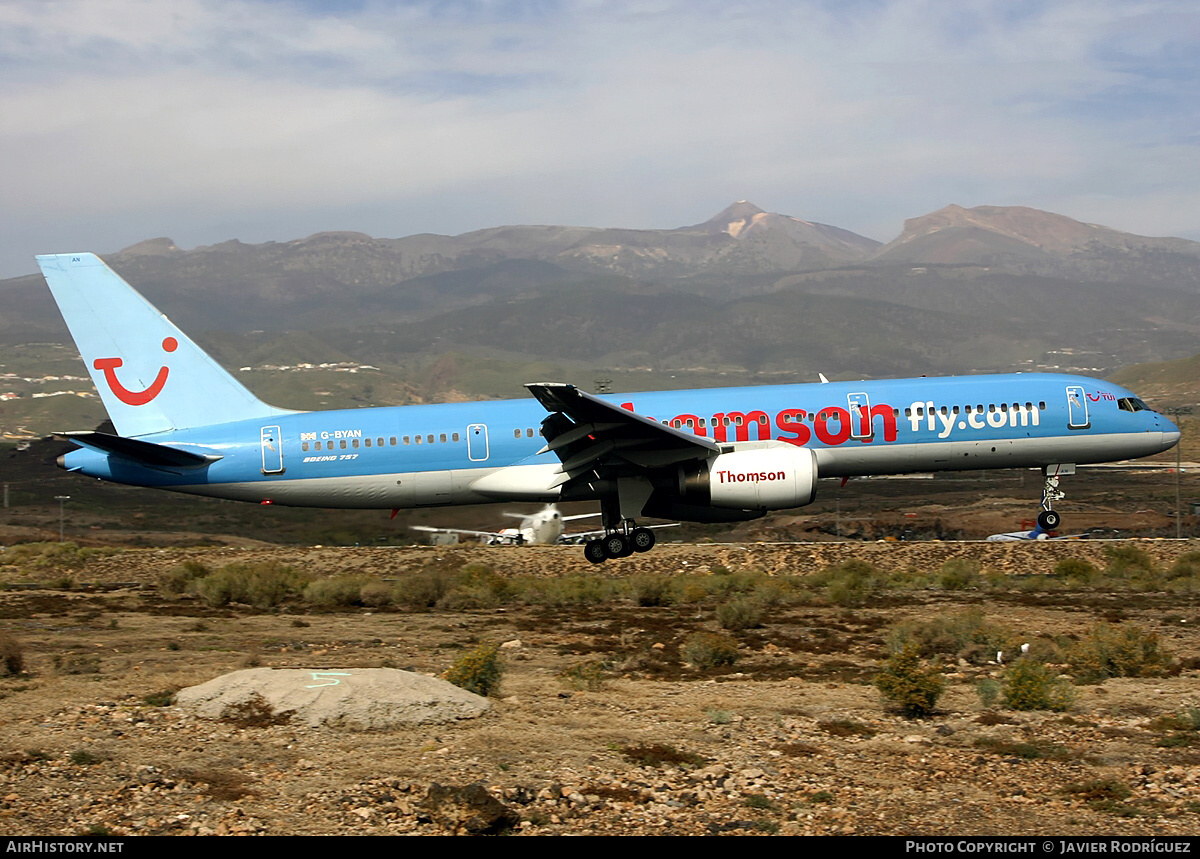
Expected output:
(367, 442)
(442, 438)
(429, 438)
(304, 446)
(455, 437)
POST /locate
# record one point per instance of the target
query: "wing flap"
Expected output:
(590, 435)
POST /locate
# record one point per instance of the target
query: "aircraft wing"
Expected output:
(490, 536)
(584, 536)
(1020, 536)
(593, 436)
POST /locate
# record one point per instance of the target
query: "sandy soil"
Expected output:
(793, 739)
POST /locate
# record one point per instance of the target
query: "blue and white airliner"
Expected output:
(717, 455)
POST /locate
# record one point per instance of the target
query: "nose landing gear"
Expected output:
(1048, 519)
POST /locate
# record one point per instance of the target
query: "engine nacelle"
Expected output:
(772, 478)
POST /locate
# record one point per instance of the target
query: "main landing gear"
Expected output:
(619, 543)
(1049, 519)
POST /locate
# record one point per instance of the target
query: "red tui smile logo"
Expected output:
(135, 398)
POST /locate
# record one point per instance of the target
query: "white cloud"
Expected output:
(131, 118)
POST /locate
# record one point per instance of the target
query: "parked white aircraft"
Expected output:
(543, 528)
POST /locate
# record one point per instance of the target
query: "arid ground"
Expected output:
(601, 724)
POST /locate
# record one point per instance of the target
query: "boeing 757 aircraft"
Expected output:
(721, 455)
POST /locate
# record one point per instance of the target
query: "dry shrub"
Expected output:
(478, 671)
(1030, 685)
(740, 614)
(709, 650)
(12, 656)
(657, 754)
(910, 685)
(262, 585)
(255, 712)
(1119, 651)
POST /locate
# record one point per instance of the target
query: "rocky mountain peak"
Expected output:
(1044, 230)
(152, 247)
(734, 219)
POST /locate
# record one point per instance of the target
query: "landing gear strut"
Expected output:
(1048, 519)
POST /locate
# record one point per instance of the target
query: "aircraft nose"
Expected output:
(1170, 438)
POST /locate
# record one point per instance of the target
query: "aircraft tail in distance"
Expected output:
(150, 375)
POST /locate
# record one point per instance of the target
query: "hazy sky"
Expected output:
(206, 120)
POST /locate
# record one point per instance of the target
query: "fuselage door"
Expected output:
(272, 451)
(859, 406)
(1077, 409)
(477, 442)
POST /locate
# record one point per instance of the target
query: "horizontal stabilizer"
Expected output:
(144, 452)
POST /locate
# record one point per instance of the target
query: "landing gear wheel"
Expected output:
(1048, 520)
(593, 550)
(617, 546)
(642, 539)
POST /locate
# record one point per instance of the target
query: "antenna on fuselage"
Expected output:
(823, 379)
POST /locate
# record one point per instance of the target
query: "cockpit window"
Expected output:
(1132, 404)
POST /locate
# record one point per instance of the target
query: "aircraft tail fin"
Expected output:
(150, 375)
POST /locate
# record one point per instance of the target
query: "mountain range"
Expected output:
(744, 292)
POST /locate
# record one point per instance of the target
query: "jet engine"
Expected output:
(772, 478)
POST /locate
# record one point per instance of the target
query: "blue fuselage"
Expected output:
(429, 455)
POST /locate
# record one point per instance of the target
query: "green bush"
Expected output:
(851, 583)
(988, 691)
(569, 591)
(1030, 685)
(477, 671)
(46, 557)
(178, 579)
(423, 589)
(709, 650)
(1124, 651)
(966, 634)
(338, 590)
(1125, 559)
(375, 593)
(958, 574)
(263, 584)
(741, 613)
(1076, 570)
(909, 684)
(651, 591)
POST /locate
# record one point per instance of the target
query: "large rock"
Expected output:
(362, 699)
